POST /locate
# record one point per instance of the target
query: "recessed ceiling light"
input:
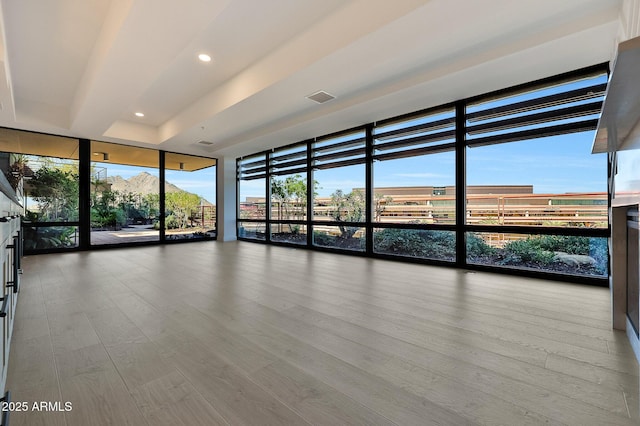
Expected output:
(139, 114)
(204, 57)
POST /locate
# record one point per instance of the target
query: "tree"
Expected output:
(150, 205)
(182, 204)
(290, 194)
(104, 211)
(56, 192)
(349, 207)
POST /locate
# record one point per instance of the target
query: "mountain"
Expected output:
(142, 183)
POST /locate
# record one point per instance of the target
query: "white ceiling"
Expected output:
(83, 67)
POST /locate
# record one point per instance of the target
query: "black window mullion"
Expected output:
(310, 194)
(162, 194)
(237, 196)
(267, 192)
(461, 185)
(84, 187)
(369, 196)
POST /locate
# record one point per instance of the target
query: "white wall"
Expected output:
(226, 190)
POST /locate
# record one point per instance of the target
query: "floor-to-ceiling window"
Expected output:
(535, 193)
(190, 197)
(43, 171)
(252, 196)
(414, 186)
(125, 194)
(77, 193)
(288, 194)
(339, 193)
(504, 180)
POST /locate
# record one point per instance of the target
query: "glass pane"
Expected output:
(50, 188)
(334, 237)
(419, 243)
(288, 160)
(414, 132)
(252, 230)
(190, 197)
(340, 195)
(253, 203)
(333, 151)
(551, 253)
(536, 109)
(43, 171)
(553, 181)
(252, 197)
(125, 194)
(289, 197)
(289, 233)
(416, 189)
(49, 237)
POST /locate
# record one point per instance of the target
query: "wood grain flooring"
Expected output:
(237, 333)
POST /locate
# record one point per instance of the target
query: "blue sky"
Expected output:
(201, 182)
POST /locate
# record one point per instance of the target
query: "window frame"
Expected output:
(459, 132)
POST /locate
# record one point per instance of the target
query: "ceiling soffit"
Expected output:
(107, 59)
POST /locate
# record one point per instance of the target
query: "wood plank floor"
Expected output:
(246, 334)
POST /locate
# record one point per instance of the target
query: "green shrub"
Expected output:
(599, 250)
(564, 243)
(323, 239)
(476, 247)
(107, 218)
(401, 241)
(529, 250)
(49, 237)
(417, 243)
(171, 222)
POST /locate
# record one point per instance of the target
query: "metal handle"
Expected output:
(16, 267)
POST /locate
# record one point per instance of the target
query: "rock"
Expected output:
(574, 259)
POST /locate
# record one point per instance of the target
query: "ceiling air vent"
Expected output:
(321, 97)
(205, 143)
